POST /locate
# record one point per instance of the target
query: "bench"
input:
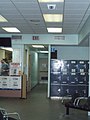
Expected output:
(8, 116)
(76, 104)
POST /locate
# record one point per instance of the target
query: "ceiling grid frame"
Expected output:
(16, 12)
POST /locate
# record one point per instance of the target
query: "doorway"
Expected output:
(38, 65)
(43, 68)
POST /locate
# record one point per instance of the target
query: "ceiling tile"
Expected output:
(26, 5)
(76, 6)
(22, 13)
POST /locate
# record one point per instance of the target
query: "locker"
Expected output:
(55, 78)
(82, 78)
(65, 78)
(64, 90)
(55, 90)
(73, 89)
(73, 66)
(65, 67)
(87, 78)
(87, 65)
(73, 78)
(81, 66)
(55, 65)
(83, 90)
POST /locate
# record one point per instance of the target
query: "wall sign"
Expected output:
(35, 37)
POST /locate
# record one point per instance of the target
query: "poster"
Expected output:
(10, 83)
(15, 69)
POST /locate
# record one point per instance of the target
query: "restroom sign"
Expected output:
(35, 37)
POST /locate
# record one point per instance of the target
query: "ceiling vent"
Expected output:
(51, 6)
(59, 37)
(16, 37)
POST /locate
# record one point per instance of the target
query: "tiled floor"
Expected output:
(38, 107)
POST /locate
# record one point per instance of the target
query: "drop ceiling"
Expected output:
(27, 15)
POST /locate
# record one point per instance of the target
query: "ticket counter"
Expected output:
(13, 86)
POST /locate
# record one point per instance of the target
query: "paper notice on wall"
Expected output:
(10, 82)
(5, 82)
(15, 82)
(15, 68)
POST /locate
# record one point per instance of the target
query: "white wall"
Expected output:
(69, 39)
(72, 52)
(34, 68)
(85, 30)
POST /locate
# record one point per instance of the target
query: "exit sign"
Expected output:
(35, 37)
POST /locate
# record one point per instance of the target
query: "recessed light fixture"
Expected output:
(54, 30)
(11, 29)
(38, 46)
(2, 19)
(53, 17)
(51, 0)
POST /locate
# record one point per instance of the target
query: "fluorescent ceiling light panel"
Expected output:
(11, 29)
(51, 0)
(53, 17)
(6, 48)
(54, 30)
(43, 51)
(38, 46)
(2, 19)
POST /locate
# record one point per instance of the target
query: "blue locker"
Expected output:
(55, 90)
(73, 66)
(55, 65)
(68, 77)
(64, 90)
(81, 66)
(65, 78)
(83, 90)
(87, 78)
(65, 66)
(73, 89)
(87, 65)
(55, 78)
(82, 78)
(73, 78)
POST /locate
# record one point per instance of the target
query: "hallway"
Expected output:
(38, 107)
